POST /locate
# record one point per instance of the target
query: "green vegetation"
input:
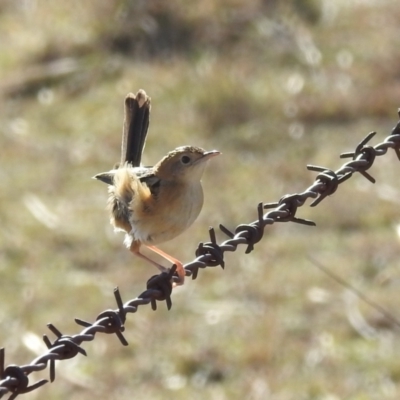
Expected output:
(274, 85)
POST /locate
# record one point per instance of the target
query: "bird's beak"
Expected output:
(209, 154)
(106, 177)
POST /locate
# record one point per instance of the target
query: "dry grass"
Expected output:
(273, 87)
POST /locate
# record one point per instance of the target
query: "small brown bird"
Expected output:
(153, 204)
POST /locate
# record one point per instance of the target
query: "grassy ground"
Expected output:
(274, 86)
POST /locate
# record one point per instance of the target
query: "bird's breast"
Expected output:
(167, 215)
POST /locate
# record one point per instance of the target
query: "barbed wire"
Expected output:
(14, 379)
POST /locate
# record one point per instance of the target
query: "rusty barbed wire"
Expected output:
(14, 379)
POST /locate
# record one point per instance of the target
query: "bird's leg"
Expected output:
(135, 249)
(160, 267)
(179, 266)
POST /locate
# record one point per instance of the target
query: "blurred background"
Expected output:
(273, 85)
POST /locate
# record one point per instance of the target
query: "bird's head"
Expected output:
(184, 163)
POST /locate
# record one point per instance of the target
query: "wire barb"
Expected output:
(162, 287)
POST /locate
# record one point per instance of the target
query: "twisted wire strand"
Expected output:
(14, 379)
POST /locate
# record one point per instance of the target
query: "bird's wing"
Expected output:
(136, 124)
(151, 180)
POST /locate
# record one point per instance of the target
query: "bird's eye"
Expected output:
(185, 159)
